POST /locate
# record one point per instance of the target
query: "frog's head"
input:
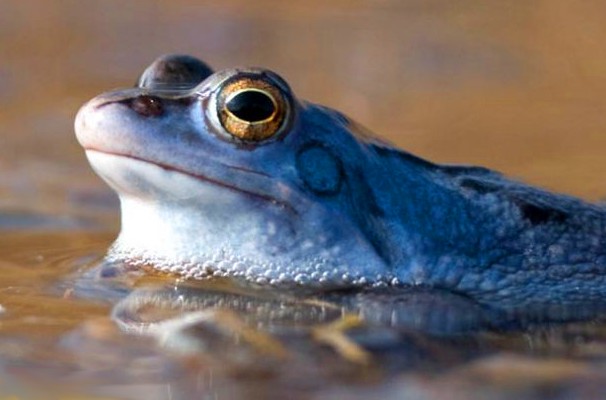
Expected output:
(228, 173)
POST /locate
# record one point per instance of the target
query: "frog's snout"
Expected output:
(80, 123)
(89, 123)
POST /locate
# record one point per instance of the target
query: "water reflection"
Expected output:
(227, 339)
(263, 332)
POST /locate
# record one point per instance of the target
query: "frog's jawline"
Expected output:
(206, 179)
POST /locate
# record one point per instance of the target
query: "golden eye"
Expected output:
(251, 109)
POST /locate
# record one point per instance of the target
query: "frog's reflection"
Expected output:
(418, 309)
(239, 322)
(412, 309)
(233, 331)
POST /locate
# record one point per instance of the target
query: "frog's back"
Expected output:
(494, 238)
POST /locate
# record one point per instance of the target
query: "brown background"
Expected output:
(518, 86)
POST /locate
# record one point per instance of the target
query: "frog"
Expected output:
(229, 174)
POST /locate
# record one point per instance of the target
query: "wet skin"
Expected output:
(230, 174)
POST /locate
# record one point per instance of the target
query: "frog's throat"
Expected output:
(95, 154)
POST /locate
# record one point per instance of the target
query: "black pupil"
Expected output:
(251, 106)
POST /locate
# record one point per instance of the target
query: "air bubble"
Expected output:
(218, 273)
(239, 267)
(302, 279)
(224, 266)
(262, 280)
(253, 270)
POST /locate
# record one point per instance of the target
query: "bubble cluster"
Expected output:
(224, 263)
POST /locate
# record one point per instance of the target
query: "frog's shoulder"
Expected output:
(537, 205)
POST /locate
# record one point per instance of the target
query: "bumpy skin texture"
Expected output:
(324, 202)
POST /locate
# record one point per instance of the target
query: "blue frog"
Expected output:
(229, 174)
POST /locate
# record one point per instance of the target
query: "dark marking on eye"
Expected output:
(147, 106)
(540, 214)
(251, 105)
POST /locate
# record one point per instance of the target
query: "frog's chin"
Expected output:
(226, 262)
(136, 177)
(186, 225)
(261, 246)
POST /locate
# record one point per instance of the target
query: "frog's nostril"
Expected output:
(147, 106)
(174, 71)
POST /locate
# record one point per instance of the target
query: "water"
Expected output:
(169, 338)
(514, 87)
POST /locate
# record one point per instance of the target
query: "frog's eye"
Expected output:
(251, 108)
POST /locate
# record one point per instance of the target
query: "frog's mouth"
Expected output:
(121, 178)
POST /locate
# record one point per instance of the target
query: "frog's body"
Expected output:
(312, 199)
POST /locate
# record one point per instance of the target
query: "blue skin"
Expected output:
(321, 202)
